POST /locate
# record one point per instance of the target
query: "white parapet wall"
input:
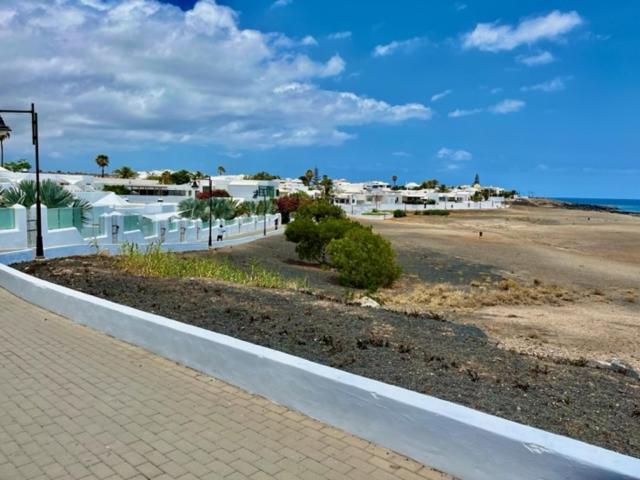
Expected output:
(15, 238)
(452, 438)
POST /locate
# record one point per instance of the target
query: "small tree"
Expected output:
(291, 203)
(364, 259)
(307, 178)
(125, 172)
(215, 193)
(181, 177)
(327, 186)
(165, 178)
(102, 161)
(18, 166)
(476, 180)
(262, 176)
(430, 184)
(221, 170)
(477, 197)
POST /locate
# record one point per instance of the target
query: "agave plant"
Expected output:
(224, 208)
(256, 208)
(52, 195)
(193, 208)
(221, 208)
(246, 208)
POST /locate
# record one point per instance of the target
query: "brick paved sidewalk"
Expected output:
(77, 404)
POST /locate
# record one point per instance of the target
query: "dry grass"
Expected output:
(445, 296)
(153, 262)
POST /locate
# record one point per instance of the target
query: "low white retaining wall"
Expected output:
(455, 439)
(26, 255)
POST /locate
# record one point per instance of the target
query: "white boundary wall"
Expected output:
(28, 254)
(455, 439)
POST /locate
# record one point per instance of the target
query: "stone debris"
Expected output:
(615, 365)
(366, 302)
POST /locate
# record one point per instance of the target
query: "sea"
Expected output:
(622, 204)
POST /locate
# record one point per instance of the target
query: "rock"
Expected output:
(624, 368)
(366, 302)
(615, 365)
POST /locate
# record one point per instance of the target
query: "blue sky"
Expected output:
(541, 96)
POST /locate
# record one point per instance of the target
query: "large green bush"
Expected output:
(319, 210)
(316, 225)
(364, 259)
(312, 238)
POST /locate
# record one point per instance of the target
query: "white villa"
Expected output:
(147, 210)
(147, 213)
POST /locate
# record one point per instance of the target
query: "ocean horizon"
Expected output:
(623, 204)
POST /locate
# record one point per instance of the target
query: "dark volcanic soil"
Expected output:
(439, 358)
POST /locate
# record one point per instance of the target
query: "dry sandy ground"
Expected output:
(594, 254)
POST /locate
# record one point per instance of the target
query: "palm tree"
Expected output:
(221, 170)
(395, 179)
(103, 161)
(125, 172)
(309, 175)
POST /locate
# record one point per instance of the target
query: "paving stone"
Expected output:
(76, 404)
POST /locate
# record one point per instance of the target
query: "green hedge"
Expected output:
(442, 213)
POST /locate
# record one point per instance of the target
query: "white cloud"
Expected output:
(398, 46)
(232, 154)
(454, 155)
(553, 85)
(281, 3)
(507, 106)
(495, 90)
(541, 58)
(440, 95)
(309, 40)
(402, 154)
(339, 35)
(461, 6)
(457, 113)
(493, 37)
(129, 73)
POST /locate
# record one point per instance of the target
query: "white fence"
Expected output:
(17, 231)
(359, 209)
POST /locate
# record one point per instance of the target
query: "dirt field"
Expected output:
(593, 255)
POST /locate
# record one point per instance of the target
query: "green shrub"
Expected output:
(312, 237)
(364, 259)
(316, 224)
(117, 189)
(442, 213)
(399, 213)
(319, 210)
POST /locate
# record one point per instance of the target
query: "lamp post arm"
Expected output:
(16, 111)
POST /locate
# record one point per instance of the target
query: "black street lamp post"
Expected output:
(4, 134)
(210, 213)
(195, 185)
